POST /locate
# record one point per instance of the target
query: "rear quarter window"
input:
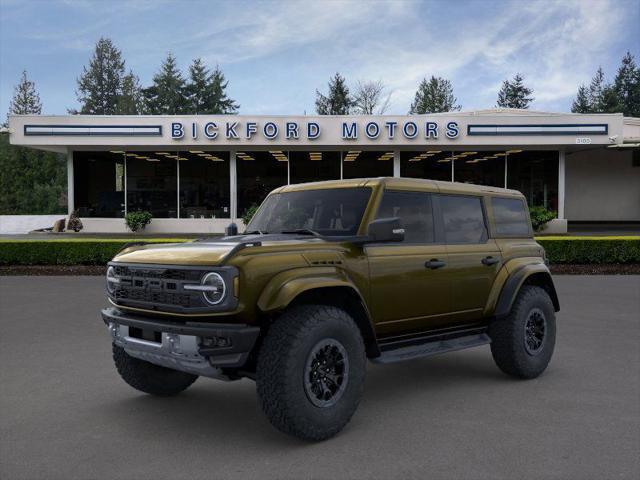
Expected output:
(511, 217)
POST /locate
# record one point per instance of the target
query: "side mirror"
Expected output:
(231, 230)
(386, 230)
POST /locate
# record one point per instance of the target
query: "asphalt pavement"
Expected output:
(65, 413)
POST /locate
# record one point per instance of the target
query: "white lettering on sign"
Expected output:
(583, 141)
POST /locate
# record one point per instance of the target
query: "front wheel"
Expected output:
(311, 371)
(150, 378)
(522, 343)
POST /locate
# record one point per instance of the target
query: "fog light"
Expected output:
(216, 342)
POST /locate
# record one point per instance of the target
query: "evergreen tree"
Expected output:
(206, 91)
(514, 94)
(627, 86)
(434, 95)
(100, 85)
(167, 95)
(581, 104)
(25, 99)
(338, 101)
(596, 91)
(130, 101)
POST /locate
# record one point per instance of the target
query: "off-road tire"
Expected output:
(150, 378)
(282, 364)
(508, 335)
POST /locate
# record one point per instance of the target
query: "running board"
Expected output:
(432, 347)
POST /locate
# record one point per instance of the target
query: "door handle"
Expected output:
(434, 263)
(490, 260)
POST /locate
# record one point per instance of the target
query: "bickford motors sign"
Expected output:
(294, 130)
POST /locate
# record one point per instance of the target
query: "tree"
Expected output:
(100, 85)
(434, 95)
(167, 95)
(25, 99)
(370, 98)
(130, 101)
(514, 94)
(206, 92)
(596, 91)
(338, 101)
(627, 86)
(581, 104)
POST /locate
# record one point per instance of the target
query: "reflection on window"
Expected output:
(535, 174)
(152, 184)
(463, 219)
(204, 184)
(414, 211)
(479, 167)
(363, 164)
(510, 217)
(99, 184)
(258, 174)
(331, 212)
(314, 166)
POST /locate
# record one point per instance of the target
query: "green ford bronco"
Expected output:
(326, 276)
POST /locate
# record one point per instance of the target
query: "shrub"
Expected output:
(540, 216)
(589, 250)
(74, 222)
(249, 213)
(137, 220)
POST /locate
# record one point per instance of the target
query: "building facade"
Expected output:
(198, 173)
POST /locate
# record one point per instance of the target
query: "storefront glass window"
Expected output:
(314, 166)
(99, 184)
(479, 167)
(363, 164)
(258, 174)
(152, 183)
(204, 184)
(535, 174)
(432, 164)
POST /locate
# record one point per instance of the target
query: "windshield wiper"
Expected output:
(303, 231)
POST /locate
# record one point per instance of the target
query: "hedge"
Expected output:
(73, 251)
(78, 251)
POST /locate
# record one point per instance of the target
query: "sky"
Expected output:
(276, 54)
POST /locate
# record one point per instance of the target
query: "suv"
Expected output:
(326, 276)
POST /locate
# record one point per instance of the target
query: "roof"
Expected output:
(400, 183)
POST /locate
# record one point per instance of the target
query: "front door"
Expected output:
(409, 282)
(474, 259)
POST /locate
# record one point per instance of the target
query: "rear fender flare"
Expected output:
(537, 274)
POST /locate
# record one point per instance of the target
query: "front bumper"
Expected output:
(193, 347)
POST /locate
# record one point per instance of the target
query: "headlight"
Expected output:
(212, 287)
(112, 280)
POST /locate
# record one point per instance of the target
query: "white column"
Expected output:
(506, 165)
(341, 164)
(561, 176)
(177, 188)
(396, 163)
(70, 186)
(233, 185)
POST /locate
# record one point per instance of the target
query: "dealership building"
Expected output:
(198, 173)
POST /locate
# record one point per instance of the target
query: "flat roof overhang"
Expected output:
(378, 132)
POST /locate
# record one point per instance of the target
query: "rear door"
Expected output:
(474, 258)
(409, 283)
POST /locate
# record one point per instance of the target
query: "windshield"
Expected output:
(327, 212)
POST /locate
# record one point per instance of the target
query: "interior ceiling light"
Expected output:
(444, 160)
(162, 153)
(141, 157)
(153, 160)
(196, 151)
(116, 151)
(434, 151)
(131, 154)
(514, 151)
(470, 153)
(500, 154)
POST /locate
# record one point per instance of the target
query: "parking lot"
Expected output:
(65, 413)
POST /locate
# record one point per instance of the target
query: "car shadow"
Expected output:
(212, 411)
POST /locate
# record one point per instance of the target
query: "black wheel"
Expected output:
(311, 371)
(522, 343)
(150, 378)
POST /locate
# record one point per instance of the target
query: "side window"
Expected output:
(463, 219)
(511, 217)
(415, 213)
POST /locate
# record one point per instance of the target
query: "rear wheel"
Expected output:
(311, 371)
(150, 378)
(522, 343)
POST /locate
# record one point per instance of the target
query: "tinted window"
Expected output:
(414, 211)
(463, 219)
(331, 212)
(510, 216)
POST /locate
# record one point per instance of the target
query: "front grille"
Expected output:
(160, 288)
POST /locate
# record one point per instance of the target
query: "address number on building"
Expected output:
(583, 141)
